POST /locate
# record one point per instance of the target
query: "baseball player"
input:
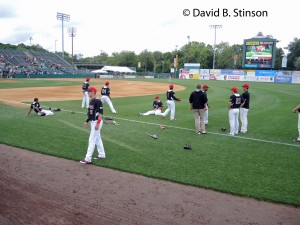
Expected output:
(38, 109)
(105, 97)
(244, 109)
(205, 89)
(234, 104)
(85, 88)
(95, 114)
(295, 110)
(157, 107)
(171, 104)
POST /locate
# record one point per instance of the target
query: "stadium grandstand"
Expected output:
(14, 61)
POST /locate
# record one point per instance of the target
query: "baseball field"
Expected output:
(262, 164)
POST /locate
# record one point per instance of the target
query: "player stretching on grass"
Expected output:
(95, 114)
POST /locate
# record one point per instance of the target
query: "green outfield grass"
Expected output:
(264, 163)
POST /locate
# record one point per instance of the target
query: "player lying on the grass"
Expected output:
(157, 107)
(38, 109)
(295, 110)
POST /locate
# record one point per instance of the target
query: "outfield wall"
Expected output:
(272, 76)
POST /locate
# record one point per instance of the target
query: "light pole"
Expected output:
(55, 46)
(215, 27)
(188, 54)
(72, 32)
(63, 17)
(30, 39)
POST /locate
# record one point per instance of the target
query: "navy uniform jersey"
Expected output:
(236, 101)
(157, 105)
(171, 95)
(85, 86)
(246, 96)
(95, 108)
(34, 105)
(105, 91)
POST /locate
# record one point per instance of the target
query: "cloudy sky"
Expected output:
(136, 25)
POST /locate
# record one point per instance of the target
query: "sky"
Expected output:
(136, 25)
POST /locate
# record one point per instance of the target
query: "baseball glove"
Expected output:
(187, 147)
(223, 129)
(178, 99)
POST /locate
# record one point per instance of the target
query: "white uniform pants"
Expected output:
(85, 100)
(171, 107)
(156, 112)
(95, 139)
(244, 119)
(299, 126)
(234, 121)
(206, 116)
(105, 98)
(47, 112)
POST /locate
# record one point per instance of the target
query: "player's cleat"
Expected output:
(203, 132)
(296, 140)
(198, 132)
(85, 162)
(99, 157)
(230, 134)
(140, 113)
(162, 116)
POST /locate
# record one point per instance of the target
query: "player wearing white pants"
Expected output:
(105, 96)
(170, 102)
(295, 110)
(95, 114)
(157, 107)
(85, 94)
(38, 109)
(244, 109)
(235, 102)
(205, 89)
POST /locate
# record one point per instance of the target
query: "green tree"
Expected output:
(297, 63)
(278, 58)
(294, 52)
(147, 61)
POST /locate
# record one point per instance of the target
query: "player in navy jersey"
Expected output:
(105, 96)
(95, 114)
(234, 104)
(85, 98)
(297, 109)
(157, 107)
(244, 109)
(35, 105)
(171, 104)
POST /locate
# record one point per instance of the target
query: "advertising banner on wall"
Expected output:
(296, 77)
(184, 74)
(204, 74)
(283, 77)
(215, 75)
(264, 75)
(250, 75)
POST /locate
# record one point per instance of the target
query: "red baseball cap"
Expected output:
(156, 97)
(246, 86)
(234, 89)
(171, 86)
(87, 79)
(106, 83)
(93, 89)
(205, 86)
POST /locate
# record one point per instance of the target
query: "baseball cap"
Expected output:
(87, 79)
(246, 86)
(205, 86)
(234, 89)
(93, 89)
(156, 97)
(171, 86)
(106, 83)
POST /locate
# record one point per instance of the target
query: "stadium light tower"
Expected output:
(72, 33)
(215, 27)
(189, 45)
(63, 17)
(30, 39)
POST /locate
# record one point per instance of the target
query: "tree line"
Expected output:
(193, 52)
